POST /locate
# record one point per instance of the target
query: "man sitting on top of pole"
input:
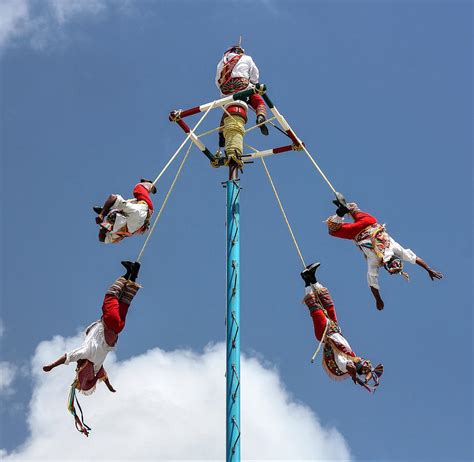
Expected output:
(236, 72)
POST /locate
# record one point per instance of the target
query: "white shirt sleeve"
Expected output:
(253, 71)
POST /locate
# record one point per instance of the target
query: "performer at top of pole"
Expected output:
(339, 360)
(378, 247)
(119, 218)
(236, 72)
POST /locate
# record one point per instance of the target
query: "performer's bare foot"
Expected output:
(60, 360)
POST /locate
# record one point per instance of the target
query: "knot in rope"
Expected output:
(296, 147)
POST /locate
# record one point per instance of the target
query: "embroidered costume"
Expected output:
(125, 218)
(100, 339)
(339, 360)
(378, 247)
(102, 335)
(236, 72)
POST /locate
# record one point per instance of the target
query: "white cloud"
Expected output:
(170, 405)
(7, 375)
(13, 14)
(65, 10)
(8, 371)
(42, 22)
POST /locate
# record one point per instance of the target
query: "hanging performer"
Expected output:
(339, 360)
(378, 247)
(100, 339)
(119, 218)
(236, 72)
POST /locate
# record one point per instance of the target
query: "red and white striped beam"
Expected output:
(270, 152)
(241, 95)
(195, 139)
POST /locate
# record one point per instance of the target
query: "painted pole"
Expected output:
(233, 318)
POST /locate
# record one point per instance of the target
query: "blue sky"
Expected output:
(381, 93)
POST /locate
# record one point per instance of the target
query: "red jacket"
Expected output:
(351, 230)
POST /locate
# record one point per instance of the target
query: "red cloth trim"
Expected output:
(142, 194)
(351, 230)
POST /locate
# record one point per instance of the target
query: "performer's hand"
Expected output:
(380, 304)
(434, 274)
(109, 385)
(99, 219)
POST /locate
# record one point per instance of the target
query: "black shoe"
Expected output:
(135, 270)
(128, 265)
(263, 128)
(309, 273)
(341, 204)
(97, 209)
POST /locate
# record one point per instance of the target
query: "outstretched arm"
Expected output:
(378, 299)
(109, 385)
(56, 363)
(431, 272)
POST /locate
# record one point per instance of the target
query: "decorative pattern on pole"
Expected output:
(233, 323)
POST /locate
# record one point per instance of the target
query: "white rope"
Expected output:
(319, 170)
(183, 143)
(282, 210)
(164, 203)
(306, 151)
(321, 342)
(259, 125)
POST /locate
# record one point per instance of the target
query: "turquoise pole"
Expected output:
(233, 320)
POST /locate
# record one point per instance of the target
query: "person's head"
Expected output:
(367, 373)
(235, 49)
(394, 265)
(148, 184)
(363, 367)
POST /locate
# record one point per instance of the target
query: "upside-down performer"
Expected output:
(100, 339)
(119, 218)
(378, 247)
(236, 72)
(339, 360)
